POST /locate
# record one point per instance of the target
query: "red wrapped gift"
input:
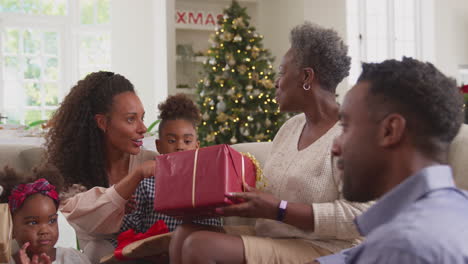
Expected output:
(195, 182)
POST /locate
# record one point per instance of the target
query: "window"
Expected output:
(382, 29)
(94, 36)
(31, 73)
(45, 47)
(37, 7)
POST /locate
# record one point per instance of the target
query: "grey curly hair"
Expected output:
(322, 50)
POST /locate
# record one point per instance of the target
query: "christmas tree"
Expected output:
(237, 96)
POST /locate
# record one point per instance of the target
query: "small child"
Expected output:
(33, 207)
(177, 132)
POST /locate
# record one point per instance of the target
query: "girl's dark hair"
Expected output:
(11, 178)
(75, 144)
(176, 107)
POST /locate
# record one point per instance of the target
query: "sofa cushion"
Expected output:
(457, 157)
(260, 150)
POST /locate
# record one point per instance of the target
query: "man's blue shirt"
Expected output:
(422, 220)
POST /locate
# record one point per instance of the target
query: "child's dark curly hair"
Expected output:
(176, 107)
(11, 178)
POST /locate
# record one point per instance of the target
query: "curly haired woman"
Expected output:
(301, 215)
(95, 141)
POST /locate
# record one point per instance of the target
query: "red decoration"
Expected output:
(464, 88)
(196, 182)
(129, 237)
(197, 18)
(23, 191)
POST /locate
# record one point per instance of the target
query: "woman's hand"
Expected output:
(127, 186)
(256, 204)
(22, 257)
(146, 169)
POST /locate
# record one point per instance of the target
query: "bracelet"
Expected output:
(282, 210)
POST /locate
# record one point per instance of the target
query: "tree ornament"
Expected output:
(255, 76)
(260, 136)
(242, 69)
(238, 22)
(212, 61)
(244, 131)
(250, 118)
(233, 140)
(267, 83)
(248, 47)
(206, 116)
(220, 107)
(232, 62)
(227, 36)
(249, 87)
(268, 122)
(222, 117)
(210, 138)
(255, 52)
(237, 38)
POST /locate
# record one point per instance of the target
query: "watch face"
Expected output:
(281, 210)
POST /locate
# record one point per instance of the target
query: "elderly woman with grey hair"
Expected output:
(301, 215)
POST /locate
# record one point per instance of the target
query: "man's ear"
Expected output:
(392, 130)
(101, 122)
(198, 143)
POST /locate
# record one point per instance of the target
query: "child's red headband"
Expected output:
(23, 191)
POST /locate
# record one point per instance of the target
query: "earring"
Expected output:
(306, 86)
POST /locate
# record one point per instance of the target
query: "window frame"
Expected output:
(361, 52)
(69, 29)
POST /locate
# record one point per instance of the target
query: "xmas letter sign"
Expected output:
(196, 19)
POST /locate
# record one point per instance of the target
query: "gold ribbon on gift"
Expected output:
(194, 177)
(260, 178)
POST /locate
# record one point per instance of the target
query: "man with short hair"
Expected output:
(398, 122)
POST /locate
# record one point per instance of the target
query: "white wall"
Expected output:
(275, 19)
(451, 35)
(143, 36)
(278, 17)
(329, 14)
(142, 47)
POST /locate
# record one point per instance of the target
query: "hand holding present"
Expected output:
(127, 186)
(257, 204)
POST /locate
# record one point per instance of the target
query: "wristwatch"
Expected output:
(282, 210)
